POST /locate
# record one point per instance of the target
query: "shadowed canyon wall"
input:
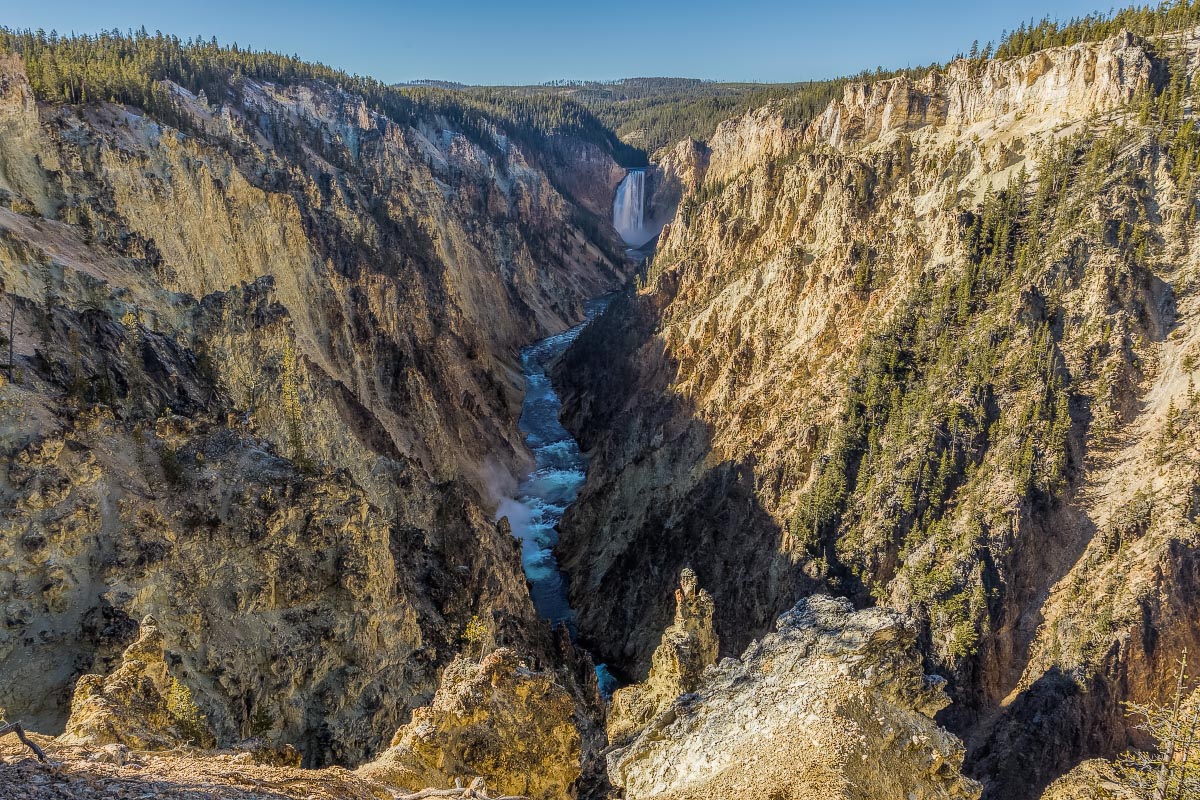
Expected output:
(934, 350)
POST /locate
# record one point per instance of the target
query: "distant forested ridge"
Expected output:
(652, 113)
(631, 117)
(131, 67)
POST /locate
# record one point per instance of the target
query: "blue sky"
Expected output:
(477, 41)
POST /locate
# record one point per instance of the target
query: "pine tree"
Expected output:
(132, 348)
(10, 337)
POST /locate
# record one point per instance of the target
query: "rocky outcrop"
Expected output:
(1092, 780)
(495, 719)
(495, 728)
(832, 705)
(1045, 89)
(140, 705)
(687, 647)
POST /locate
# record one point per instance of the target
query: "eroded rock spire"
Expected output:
(139, 705)
(687, 647)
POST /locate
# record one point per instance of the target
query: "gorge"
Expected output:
(559, 470)
(353, 432)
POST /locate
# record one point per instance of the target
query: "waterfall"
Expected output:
(629, 208)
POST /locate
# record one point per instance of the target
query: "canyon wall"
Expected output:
(934, 350)
(265, 389)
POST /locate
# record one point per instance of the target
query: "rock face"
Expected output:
(139, 705)
(587, 174)
(1091, 780)
(832, 705)
(266, 390)
(680, 171)
(688, 646)
(816, 391)
(495, 719)
(1049, 87)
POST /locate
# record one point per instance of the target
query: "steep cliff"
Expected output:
(919, 352)
(265, 389)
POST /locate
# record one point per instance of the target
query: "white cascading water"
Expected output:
(629, 208)
(546, 493)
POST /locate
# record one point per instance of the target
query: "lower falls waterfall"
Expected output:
(629, 208)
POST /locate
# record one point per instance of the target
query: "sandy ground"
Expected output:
(84, 773)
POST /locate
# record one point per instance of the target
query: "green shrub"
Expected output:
(187, 716)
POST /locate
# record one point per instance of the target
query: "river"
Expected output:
(559, 471)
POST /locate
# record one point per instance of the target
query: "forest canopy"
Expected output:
(629, 118)
(130, 67)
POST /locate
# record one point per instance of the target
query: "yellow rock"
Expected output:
(495, 719)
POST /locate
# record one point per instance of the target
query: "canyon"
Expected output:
(362, 443)
(210, 295)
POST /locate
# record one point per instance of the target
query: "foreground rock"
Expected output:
(114, 773)
(495, 719)
(495, 728)
(139, 705)
(833, 705)
(688, 646)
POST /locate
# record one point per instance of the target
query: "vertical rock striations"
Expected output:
(931, 351)
(265, 390)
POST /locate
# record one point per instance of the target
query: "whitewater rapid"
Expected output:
(545, 494)
(559, 471)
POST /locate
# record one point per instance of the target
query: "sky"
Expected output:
(513, 42)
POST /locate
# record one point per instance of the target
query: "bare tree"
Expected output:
(15, 727)
(1172, 770)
